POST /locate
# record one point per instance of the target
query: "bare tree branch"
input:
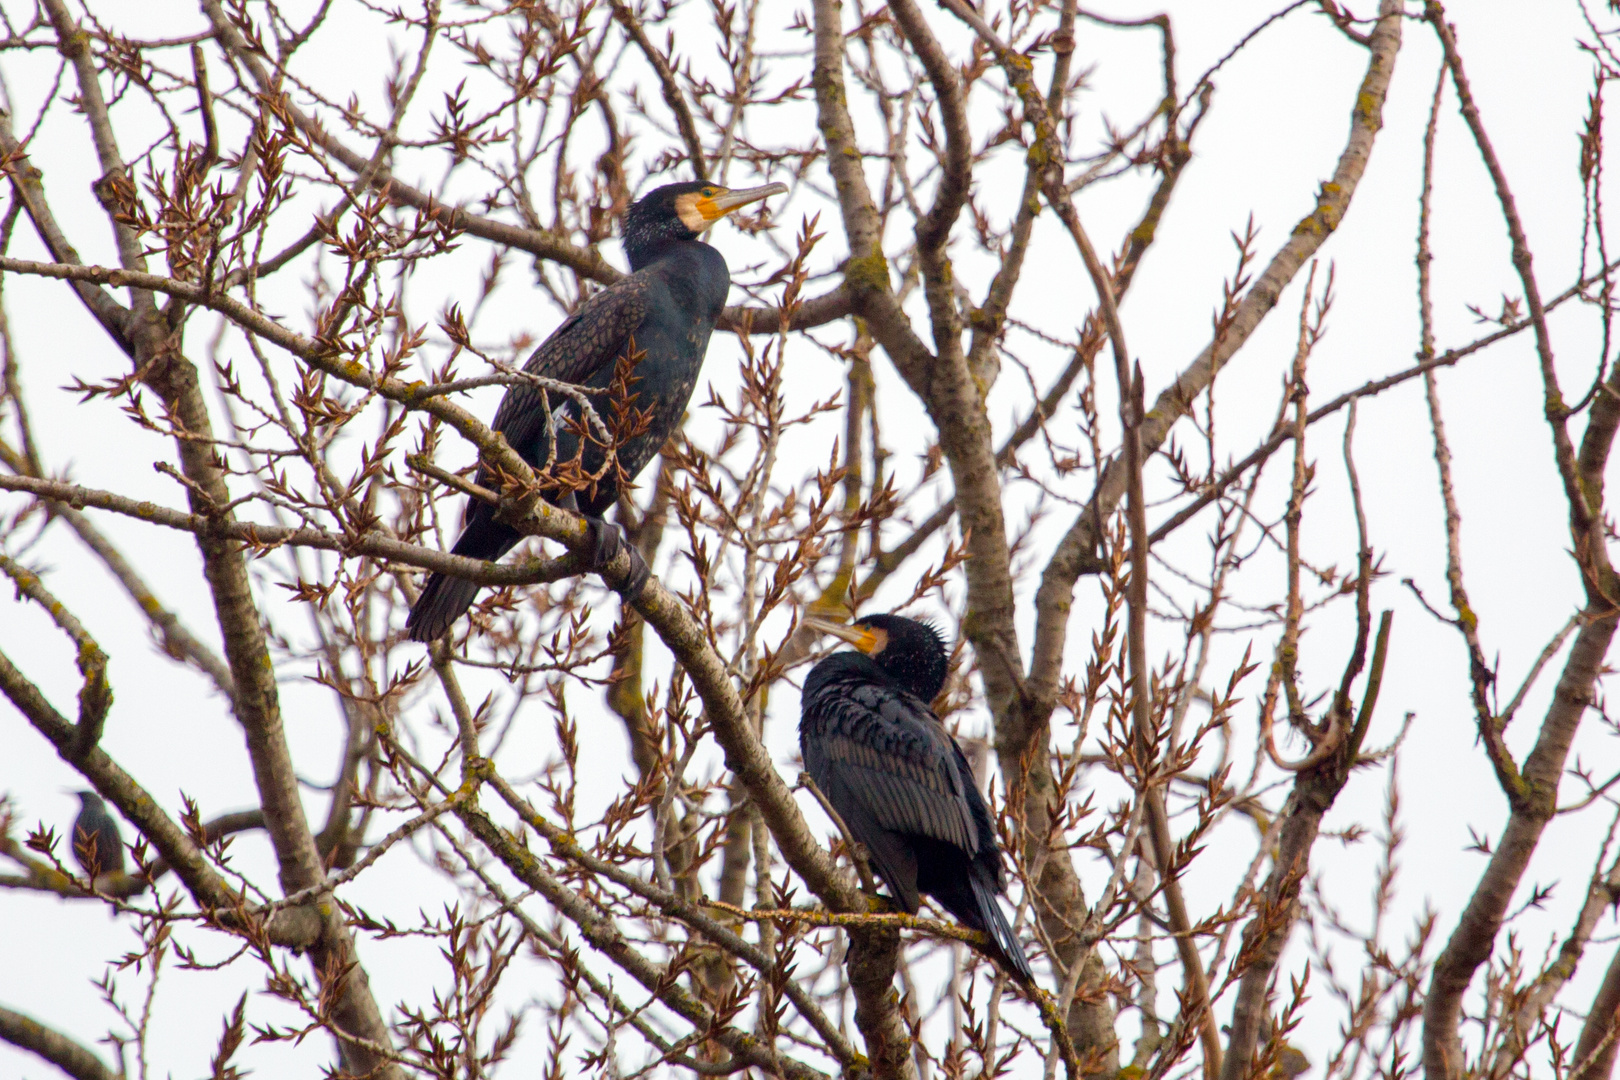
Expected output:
(58, 1049)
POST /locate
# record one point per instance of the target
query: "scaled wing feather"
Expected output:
(894, 758)
(589, 339)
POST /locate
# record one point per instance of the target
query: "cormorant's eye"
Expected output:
(709, 193)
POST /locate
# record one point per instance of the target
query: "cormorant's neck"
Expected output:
(918, 684)
(643, 254)
(852, 663)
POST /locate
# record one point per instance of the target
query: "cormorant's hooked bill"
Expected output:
(874, 747)
(660, 317)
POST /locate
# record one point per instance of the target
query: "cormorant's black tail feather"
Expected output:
(971, 897)
(445, 599)
(1001, 932)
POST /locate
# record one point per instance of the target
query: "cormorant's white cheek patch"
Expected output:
(686, 208)
(873, 640)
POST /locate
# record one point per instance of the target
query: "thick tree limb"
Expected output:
(114, 184)
(299, 927)
(586, 262)
(1075, 555)
(1600, 1035)
(29, 1034)
(1146, 432)
(1047, 661)
(669, 87)
(1534, 799)
(161, 366)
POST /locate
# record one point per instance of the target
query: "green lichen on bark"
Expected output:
(1369, 110)
(868, 272)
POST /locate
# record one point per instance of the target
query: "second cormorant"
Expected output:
(97, 845)
(874, 747)
(664, 311)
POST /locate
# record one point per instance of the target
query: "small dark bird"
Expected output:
(97, 846)
(894, 774)
(665, 311)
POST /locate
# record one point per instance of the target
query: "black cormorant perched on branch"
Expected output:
(894, 774)
(97, 846)
(660, 316)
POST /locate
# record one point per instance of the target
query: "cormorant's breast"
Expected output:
(696, 278)
(687, 289)
(687, 286)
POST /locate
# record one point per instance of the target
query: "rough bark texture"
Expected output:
(1472, 941)
(1597, 1046)
(154, 346)
(1532, 792)
(53, 1046)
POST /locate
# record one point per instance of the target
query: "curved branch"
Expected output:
(177, 641)
(1074, 554)
(866, 274)
(298, 928)
(66, 1054)
(25, 183)
(934, 229)
(95, 696)
(376, 544)
(1534, 800)
(666, 82)
(1557, 411)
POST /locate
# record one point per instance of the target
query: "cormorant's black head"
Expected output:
(89, 799)
(912, 653)
(677, 212)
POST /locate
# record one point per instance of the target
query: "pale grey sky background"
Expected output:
(1277, 124)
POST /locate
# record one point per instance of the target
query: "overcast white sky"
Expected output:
(1276, 128)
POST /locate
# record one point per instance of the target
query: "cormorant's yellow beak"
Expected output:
(866, 639)
(715, 202)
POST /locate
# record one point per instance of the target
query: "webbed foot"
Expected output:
(606, 540)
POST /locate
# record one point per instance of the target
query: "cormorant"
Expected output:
(664, 311)
(97, 846)
(875, 748)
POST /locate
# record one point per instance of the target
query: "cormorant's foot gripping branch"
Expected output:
(604, 542)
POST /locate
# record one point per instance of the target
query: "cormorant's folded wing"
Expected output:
(885, 752)
(589, 338)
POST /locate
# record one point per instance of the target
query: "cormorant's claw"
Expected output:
(606, 540)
